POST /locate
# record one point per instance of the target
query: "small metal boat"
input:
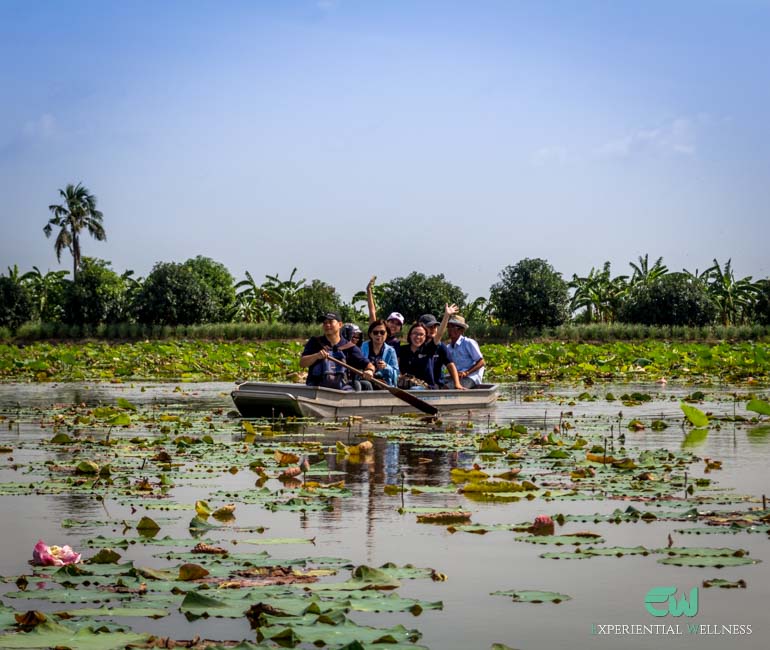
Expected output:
(262, 399)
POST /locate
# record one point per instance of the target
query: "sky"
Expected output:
(351, 138)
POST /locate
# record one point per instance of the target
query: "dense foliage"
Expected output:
(307, 305)
(529, 299)
(762, 306)
(673, 299)
(530, 294)
(174, 294)
(15, 303)
(95, 296)
(220, 283)
(417, 294)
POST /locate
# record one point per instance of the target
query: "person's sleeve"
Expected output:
(476, 350)
(311, 347)
(390, 374)
(355, 358)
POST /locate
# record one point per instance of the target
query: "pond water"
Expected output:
(365, 526)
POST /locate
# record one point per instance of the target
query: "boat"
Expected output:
(255, 399)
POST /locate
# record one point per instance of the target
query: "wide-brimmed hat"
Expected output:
(396, 316)
(429, 320)
(331, 315)
(459, 321)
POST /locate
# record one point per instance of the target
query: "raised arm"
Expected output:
(449, 311)
(370, 300)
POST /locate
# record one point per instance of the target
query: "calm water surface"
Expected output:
(367, 529)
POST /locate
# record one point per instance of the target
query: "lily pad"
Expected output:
(524, 596)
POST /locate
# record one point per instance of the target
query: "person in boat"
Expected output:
(443, 357)
(466, 353)
(415, 359)
(352, 333)
(322, 370)
(394, 322)
(382, 355)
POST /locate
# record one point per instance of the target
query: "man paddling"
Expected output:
(318, 350)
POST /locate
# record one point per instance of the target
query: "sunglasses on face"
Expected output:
(379, 332)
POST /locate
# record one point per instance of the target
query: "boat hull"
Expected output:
(261, 399)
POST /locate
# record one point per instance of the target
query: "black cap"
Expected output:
(331, 315)
(429, 320)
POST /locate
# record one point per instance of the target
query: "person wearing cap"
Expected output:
(323, 371)
(443, 356)
(352, 333)
(466, 353)
(394, 322)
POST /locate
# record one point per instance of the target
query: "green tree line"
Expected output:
(529, 295)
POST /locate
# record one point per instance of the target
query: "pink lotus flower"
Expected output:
(543, 525)
(43, 555)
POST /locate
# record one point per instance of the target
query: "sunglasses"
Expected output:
(379, 332)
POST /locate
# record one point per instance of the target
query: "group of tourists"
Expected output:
(422, 362)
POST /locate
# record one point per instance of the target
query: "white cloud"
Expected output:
(677, 137)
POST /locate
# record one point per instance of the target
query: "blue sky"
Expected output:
(351, 138)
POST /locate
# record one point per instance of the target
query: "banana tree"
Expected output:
(734, 298)
(45, 288)
(265, 302)
(599, 293)
(644, 274)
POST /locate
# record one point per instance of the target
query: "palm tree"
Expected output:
(76, 213)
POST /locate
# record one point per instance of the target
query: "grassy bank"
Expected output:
(484, 332)
(187, 360)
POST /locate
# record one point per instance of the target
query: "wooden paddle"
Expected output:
(404, 395)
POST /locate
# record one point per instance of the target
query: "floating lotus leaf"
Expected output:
(724, 584)
(344, 633)
(575, 539)
(523, 596)
(123, 612)
(586, 553)
(57, 635)
(481, 529)
(279, 540)
(715, 561)
(704, 551)
(375, 601)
